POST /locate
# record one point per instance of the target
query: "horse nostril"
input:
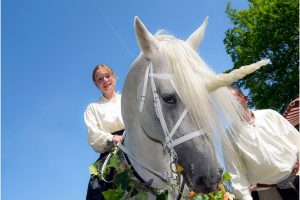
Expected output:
(200, 180)
(203, 183)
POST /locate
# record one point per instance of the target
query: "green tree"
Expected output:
(268, 29)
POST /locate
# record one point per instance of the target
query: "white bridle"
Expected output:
(168, 143)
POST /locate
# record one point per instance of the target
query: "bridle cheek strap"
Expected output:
(142, 100)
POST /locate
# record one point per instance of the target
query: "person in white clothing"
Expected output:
(104, 123)
(268, 147)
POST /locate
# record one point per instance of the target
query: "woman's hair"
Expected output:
(111, 71)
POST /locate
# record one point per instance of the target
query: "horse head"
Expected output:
(171, 106)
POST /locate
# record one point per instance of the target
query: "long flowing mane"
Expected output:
(212, 111)
(217, 112)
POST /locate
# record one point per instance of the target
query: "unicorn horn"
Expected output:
(223, 80)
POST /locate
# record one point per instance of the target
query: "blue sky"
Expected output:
(49, 49)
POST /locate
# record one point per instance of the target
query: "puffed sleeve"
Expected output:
(235, 166)
(97, 137)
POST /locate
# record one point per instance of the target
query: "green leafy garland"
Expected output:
(221, 194)
(128, 187)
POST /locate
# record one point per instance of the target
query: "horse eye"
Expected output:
(169, 98)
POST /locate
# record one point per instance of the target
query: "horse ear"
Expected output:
(147, 42)
(196, 38)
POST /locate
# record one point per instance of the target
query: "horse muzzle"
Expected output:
(204, 183)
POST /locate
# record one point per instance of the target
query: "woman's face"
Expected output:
(105, 81)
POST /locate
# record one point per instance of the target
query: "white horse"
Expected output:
(171, 106)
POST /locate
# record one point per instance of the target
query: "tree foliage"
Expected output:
(268, 29)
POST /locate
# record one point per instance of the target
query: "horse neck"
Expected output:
(148, 152)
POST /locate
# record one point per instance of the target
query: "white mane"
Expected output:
(190, 74)
(217, 112)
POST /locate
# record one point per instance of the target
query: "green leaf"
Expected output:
(141, 196)
(197, 197)
(114, 162)
(219, 195)
(162, 196)
(122, 180)
(111, 194)
(205, 197)
(226, 176)
(93, 169)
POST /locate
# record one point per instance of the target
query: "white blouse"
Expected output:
(103, 118)
(269, 149)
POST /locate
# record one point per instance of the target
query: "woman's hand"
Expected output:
(117, 138)
(253, 188)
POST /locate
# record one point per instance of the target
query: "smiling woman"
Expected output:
(104, 79)
(104, 123)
